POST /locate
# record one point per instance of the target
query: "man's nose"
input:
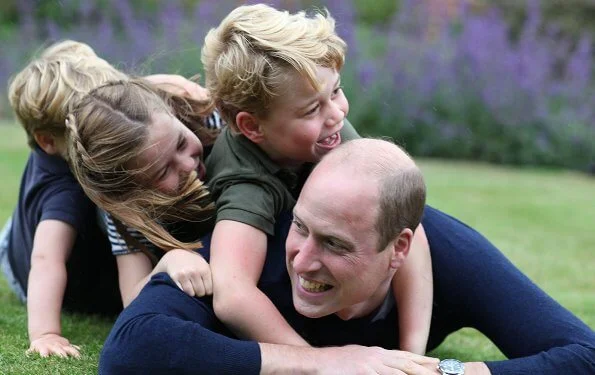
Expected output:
(307, 258)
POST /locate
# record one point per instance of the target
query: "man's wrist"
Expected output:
(476, 368)
(277, 359)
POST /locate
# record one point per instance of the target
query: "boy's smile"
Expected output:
(303, 123)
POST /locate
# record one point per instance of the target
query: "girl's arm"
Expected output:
(178, 85)
(413, 290)
(133, 273)
(52, 245)
(189, 270)
(238, 253)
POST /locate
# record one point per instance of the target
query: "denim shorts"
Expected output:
(5, 264)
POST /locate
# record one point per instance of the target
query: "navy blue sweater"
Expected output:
(166, 331)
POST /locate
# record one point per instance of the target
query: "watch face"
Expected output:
(451, 366)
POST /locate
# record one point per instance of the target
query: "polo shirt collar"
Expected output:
(52, 163)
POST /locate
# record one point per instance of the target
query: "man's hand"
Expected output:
(351, 359)
(355, 359)
(189, 270)
(52, 344)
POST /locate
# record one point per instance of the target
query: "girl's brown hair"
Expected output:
(107, 129)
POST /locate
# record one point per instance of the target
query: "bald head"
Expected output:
(369, 156)
(389, 172)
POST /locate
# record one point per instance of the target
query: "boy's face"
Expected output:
(303, 124)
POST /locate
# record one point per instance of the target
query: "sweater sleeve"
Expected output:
(487, 292)
(166, 331)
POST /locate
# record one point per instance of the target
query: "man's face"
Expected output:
(332, 255)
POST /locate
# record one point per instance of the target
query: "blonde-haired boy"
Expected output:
(54, 253)
(274, 76)
(52, 250)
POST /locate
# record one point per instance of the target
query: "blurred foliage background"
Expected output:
(503, 81)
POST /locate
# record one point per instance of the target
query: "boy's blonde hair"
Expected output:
(107, 130)
(68, 47)
(250, 55)
(41, 94)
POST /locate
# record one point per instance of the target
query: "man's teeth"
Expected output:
(312, 286)
(329, 140)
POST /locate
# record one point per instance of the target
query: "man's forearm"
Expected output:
(344, 360)
(165, 330)
(282, 359)
(476, 368)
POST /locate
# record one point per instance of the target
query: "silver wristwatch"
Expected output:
(451, 367)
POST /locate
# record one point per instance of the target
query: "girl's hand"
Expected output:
(189, 270)
(178, 85)
(53, 344)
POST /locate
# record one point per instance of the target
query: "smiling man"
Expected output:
(334, 269)
(343, 244)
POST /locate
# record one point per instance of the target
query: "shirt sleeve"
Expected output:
(348, 132)
(250, 203)
(118, 243)
(69, 205)
(165, 331)
(214, 121)
(482, 289)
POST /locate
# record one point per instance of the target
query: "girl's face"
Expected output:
(171, 153)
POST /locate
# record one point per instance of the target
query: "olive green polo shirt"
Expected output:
(251, 188)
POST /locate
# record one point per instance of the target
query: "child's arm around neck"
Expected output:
(238, 252)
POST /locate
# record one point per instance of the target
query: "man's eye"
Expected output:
(331, 243)
(334, 245)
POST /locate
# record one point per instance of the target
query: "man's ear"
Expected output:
(249, 126)
(46, 142)
(400, 248)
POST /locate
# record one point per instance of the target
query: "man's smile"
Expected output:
(313, 286)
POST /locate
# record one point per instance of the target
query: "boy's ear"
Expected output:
(249, 126)
(46, 142)
(400, 247)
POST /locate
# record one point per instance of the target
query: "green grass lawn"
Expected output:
(542, 220)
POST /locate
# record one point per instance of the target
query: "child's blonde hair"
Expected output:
(41, 94)
(68, 47)
(107, 130)
(249, 56)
